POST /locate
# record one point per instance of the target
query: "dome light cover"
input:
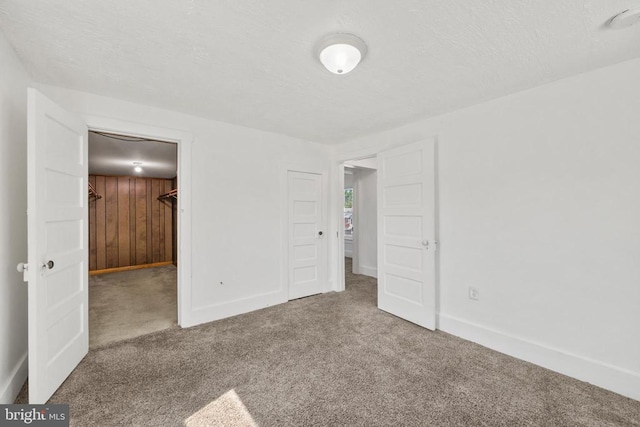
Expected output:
(626, 19)
(341, 53)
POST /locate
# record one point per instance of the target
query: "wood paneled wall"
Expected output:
(129, 225)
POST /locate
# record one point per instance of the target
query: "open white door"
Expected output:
(58, 242)
(306, 235)
(406, 233)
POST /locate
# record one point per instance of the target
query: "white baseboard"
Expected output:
(368, 271)
(618, 380)
(16, 380)
(213, 312)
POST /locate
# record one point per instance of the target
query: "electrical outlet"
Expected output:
(474, 293)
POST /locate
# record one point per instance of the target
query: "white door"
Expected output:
(306, 234)
(406, 233)
(57, 229)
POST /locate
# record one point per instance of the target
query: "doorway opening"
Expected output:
(133, 236)
(360, 220)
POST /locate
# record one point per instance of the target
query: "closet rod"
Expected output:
(173, 194)
(93, 192)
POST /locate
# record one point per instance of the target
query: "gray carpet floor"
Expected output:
(327, 360)
(128, 304)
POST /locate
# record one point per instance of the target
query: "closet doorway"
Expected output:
(132, 237)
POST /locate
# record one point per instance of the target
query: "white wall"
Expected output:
(539, 208)
(13, 222)
(236, 217)
(365, 220)
(348, 179)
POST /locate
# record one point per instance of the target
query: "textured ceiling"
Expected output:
(252, 62)
(112, 156)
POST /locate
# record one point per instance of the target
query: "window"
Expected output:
(348, 212)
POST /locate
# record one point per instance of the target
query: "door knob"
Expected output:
(49, 264)
(320, 233)
(433, 243)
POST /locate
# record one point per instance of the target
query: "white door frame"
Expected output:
(355, 255)
(183, 141)
(339, 212)
(339, 197)
(285, 168)
(355, 246)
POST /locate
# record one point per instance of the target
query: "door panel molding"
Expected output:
(58, 244)
(286, 248)
(306, 234)
(407, 232)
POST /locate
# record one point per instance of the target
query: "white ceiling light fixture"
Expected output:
(138, 167)
(626, 19)
(341, 53)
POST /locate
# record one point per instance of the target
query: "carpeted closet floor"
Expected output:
(327, 360)
(128, 304)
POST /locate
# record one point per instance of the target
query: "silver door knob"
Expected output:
(49, 264)
(425, 243)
